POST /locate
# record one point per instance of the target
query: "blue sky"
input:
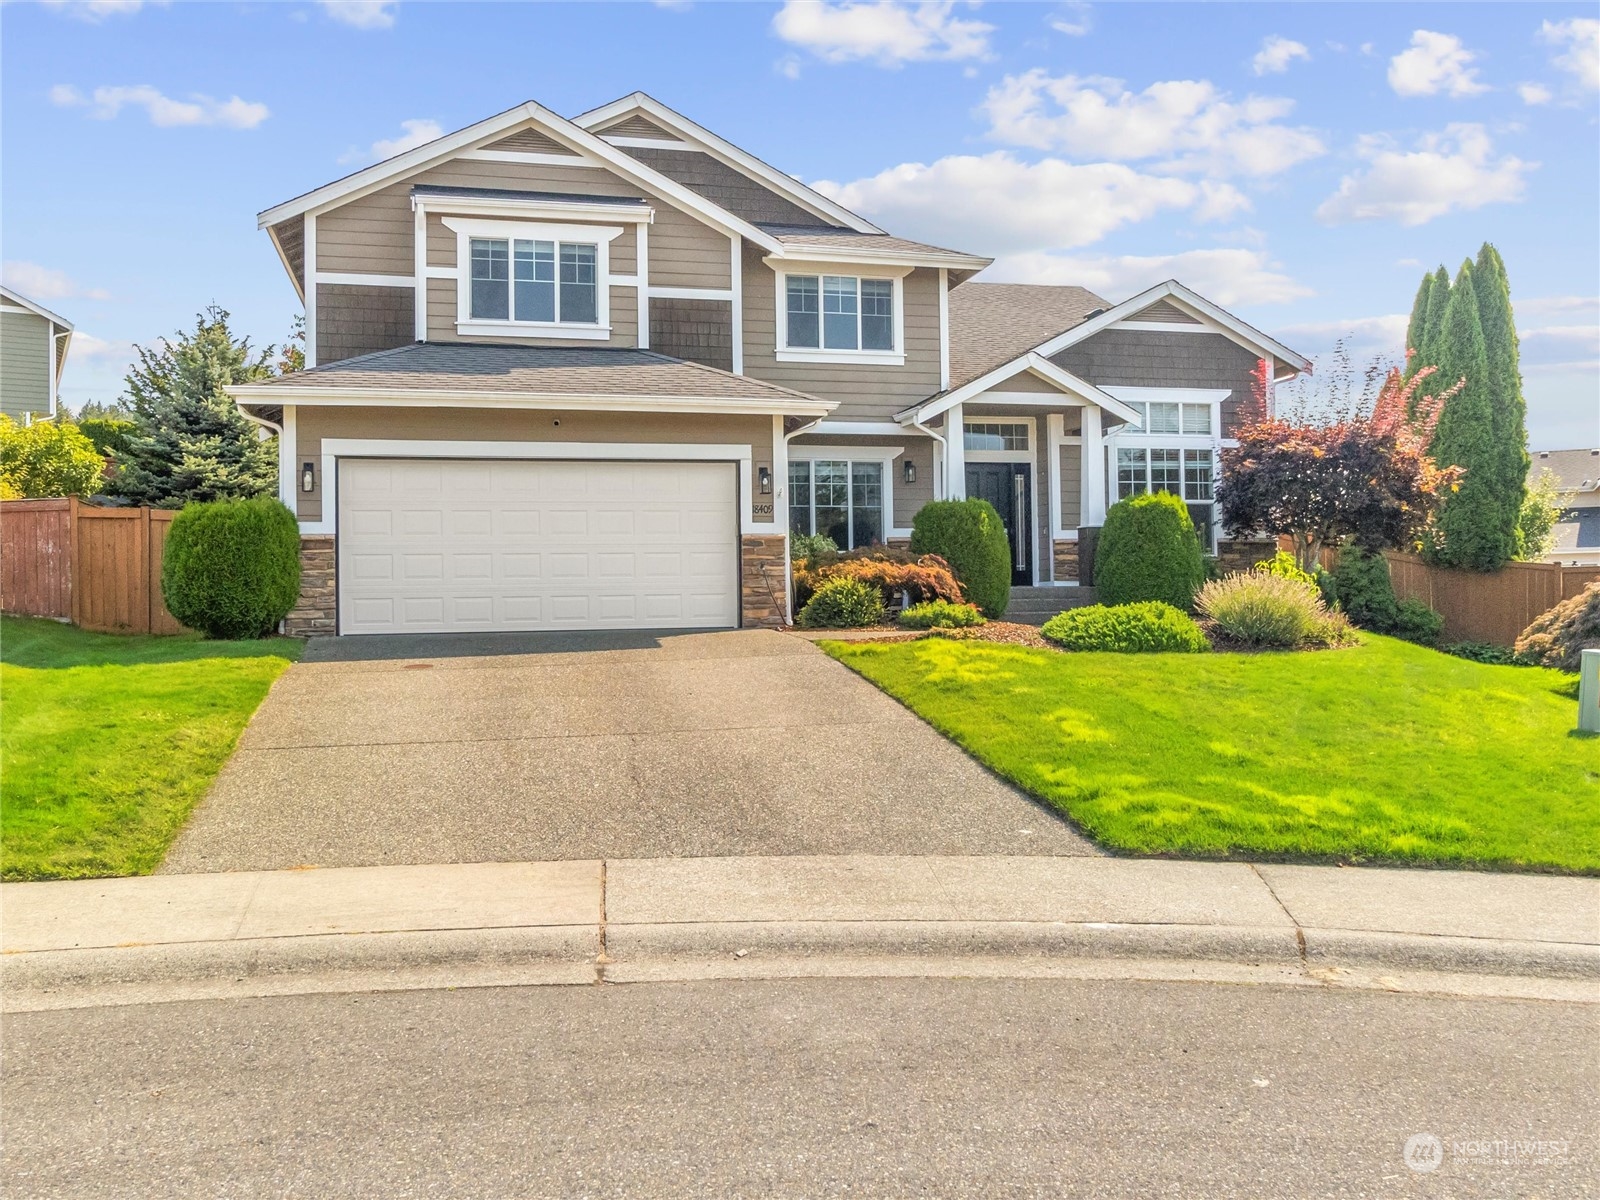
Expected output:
(1300, 164)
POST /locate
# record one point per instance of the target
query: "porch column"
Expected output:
(1093, 507)
(955, 455)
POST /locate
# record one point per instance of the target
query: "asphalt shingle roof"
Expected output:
(1575, 470)
(833, 237)
(533, 370)
(993, 323)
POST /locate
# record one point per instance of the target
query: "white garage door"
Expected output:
(446, 545)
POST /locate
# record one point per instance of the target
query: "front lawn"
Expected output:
(1384, 751)
(107, 742)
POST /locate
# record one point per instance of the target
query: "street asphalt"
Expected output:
(823, 1087)
(540, 747)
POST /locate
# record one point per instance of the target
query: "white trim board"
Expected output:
(334, 449)
(1032, 361)
(257, 393)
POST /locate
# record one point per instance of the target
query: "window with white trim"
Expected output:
(841, 498)
(981, 436)
(535, 281)
(838, 312)
(1170, 416)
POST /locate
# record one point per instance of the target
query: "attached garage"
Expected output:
(456, 545)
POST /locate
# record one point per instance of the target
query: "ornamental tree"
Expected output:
(1364, 476)
(47, 458)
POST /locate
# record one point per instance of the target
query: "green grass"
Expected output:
(107, 742)
(1382, 752)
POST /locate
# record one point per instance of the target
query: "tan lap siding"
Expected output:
(24, 363)
(865, 393)
(1071, 484)
(313, 424)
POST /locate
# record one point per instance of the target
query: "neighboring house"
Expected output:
(589, 373)
(33, 350)
(1577, 532)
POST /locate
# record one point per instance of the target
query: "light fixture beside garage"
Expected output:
(308, 477)
(764, 476)
(910, 470)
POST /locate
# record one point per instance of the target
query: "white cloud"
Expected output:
(1534, 93)
(362, 14)
(788, 66)
(1436, 62)
(1276, 54)
(45, 284)
(886, 32)
(1227, 276)
(1365, 336)
(107, 102)
(1447, 172)
(1187, 124)
(414, 133)
(998, 204)
(1581, 36)
(96, 11)
(85, 346)
(1074, 20)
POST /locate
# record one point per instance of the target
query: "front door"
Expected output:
(1008, 486)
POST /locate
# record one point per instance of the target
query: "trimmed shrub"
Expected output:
(1137, 628)
(804, 547)
(1258, 609)
(1149, 550)
(969, 536)
(842, 603)
(1557, 638)
(940, 614)
(893, 572)
(1363, 590)
(1416, 622)
(1283, 565)
(231, 568)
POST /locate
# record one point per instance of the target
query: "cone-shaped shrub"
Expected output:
(1149, 550)
(969, 536)
(231, 568)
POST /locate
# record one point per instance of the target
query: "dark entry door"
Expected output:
(1008, 486)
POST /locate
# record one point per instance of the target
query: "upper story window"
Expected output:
(532, 280)
(1163, 416)
(839, 318)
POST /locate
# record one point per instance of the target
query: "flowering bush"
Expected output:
(842, 603)
(890, 571)
(940, 614)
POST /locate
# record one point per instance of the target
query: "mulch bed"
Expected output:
(1005, 632)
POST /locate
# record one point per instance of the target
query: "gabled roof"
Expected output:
(993, 323)
(1187, 300)
(470, 375)
(35, 307)
(825, 244)
(1033, 362)
(729, 154)
(1576, 471)
(573, 136)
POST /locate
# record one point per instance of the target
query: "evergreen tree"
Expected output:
(1418, 323)
(1508, 411)
(192, 442)
(1473, 528)
(1428, 348)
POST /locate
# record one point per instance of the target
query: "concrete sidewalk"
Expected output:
(375, 928)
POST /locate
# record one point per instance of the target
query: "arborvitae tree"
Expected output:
(1473, 528)
(1508, 411)
(1417, 325)
(1428, 348)
(192, 442)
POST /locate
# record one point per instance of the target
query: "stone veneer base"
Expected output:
(317, 612)
(764, 581)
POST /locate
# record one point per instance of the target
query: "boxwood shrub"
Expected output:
(1149, 550)
(842, 603)
(231, 568)
(1142, 627)
(969, 536)
(940, 614)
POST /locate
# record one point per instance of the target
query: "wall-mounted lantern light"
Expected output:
(910, 469)
(308, 477)
(764, 475)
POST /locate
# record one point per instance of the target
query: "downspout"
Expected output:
(938, 483)
(788, 563)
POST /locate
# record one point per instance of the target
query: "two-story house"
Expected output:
(590, 373)
(33, 353)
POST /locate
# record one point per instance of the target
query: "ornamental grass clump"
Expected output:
(940, 614)
(1144, 627)
(1263, 611)
(842, 603)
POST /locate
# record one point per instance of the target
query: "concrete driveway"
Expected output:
(527, 747)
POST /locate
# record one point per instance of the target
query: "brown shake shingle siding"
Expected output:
(360, 320)
(697, 330)
(723, 186)
(1132, 358)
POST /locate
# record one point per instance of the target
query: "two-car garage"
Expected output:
(443, 545)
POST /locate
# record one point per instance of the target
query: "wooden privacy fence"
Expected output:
(1494, 607)
(99, 568)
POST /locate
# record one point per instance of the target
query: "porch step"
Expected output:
(1036, 605)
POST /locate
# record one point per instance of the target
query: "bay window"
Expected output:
(839, 312)
(841, 498)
